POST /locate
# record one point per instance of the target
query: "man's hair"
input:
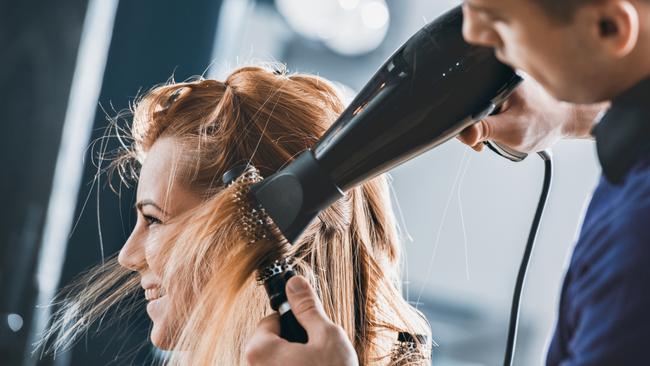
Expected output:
(563, 10)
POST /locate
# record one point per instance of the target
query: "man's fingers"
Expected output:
(469, 136)
(264, 340)
(476, 134)
(270, 324)
(478, 147)
(268, 330)
(306, 306)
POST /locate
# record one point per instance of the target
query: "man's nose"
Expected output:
(477, 31)
(132, 255)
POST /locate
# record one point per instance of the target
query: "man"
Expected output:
(581, 52)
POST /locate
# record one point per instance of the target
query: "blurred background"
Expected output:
(66, 65)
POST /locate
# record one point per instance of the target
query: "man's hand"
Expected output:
(328, 344)
(531, 120)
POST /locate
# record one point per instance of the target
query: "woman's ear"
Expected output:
(618, 27)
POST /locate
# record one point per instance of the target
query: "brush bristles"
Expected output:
(258, 226)
(414, 350)
(254, 219)
(277, 267)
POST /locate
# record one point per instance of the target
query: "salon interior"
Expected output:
(67, 66)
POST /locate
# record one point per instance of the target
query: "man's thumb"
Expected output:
(475, 134)
(305, 305)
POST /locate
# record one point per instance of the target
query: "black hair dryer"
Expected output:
(432, 88)
(426, 93)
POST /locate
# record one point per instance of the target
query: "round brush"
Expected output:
(277, 267)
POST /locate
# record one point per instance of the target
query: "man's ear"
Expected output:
(617, 26)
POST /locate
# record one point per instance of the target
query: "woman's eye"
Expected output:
(151, 220)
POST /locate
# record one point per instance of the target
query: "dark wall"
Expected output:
(38, 42)
(38, 48)
(151, 41)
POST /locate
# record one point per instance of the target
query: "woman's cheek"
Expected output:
(154, 251)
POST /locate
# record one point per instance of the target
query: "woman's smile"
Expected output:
(155, 307)
(153, 293)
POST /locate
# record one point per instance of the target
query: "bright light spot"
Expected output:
(15, 322)
(347, 27)
(312, 19)
(349, 4)
(374, 14)
(324, 34)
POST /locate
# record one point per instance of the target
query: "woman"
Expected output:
(187, 252)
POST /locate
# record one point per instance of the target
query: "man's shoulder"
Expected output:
(619, 221)
(635, 195)
(628, 228)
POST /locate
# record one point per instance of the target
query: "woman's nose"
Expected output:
(477, 31)
(132, 255)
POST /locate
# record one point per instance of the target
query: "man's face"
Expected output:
(562, 56)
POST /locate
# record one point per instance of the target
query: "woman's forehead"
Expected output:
(158, 176)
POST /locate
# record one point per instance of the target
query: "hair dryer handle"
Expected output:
(495, 108)
(506, 152)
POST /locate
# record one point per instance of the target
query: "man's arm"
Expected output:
(531, 120)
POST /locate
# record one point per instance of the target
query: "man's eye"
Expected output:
(151, 220)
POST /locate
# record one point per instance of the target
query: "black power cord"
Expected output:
(523, 267)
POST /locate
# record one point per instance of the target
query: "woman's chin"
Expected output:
(157, 310)
(159, 338)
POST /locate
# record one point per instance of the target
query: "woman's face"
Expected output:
(160, 198)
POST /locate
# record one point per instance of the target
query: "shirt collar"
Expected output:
(623, 134)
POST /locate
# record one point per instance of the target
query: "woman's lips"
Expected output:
(153, 293)
(154, 307)
(155, 296)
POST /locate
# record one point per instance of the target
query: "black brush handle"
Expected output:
(506, 152)
(290, 328)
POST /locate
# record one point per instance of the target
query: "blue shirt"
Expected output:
(604, 313)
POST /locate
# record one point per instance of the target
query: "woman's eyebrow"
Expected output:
(147, 202)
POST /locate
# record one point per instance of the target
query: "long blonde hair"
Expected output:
(350, 253)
